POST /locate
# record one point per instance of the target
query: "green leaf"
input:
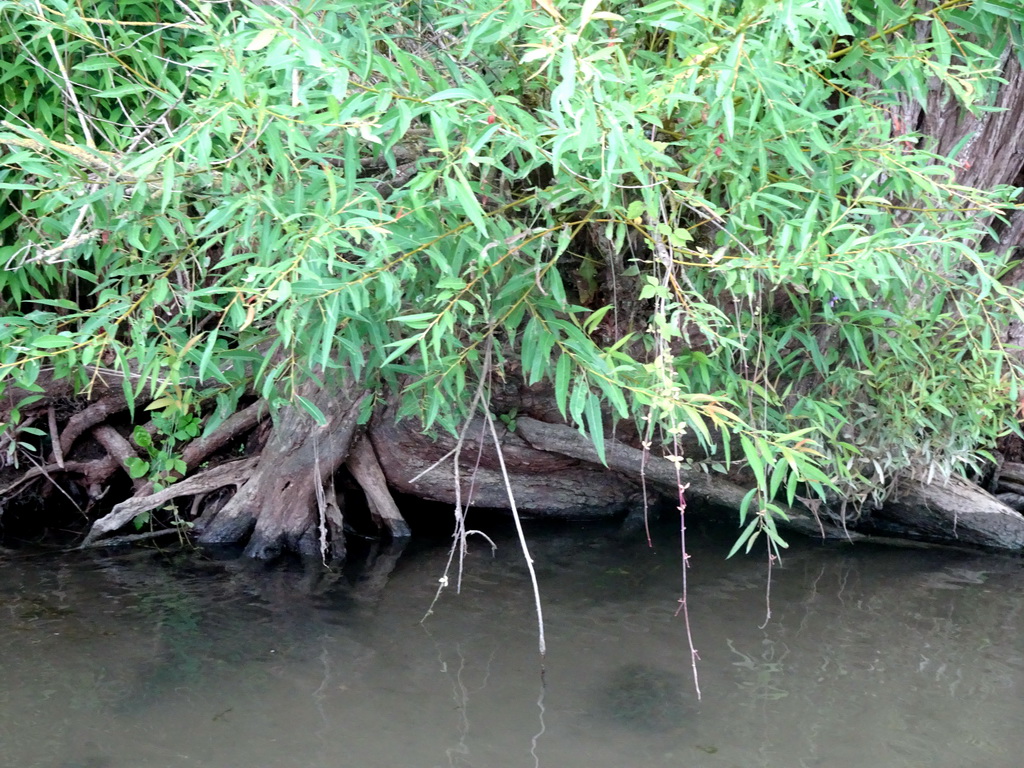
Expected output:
(137, 468)
(204, 362)
(595, 425)
(452, 94)
(595, 318)
(563, 374)
(263, 38)
(399, 348)
(52, 342)
(121, 91)
(754, 460)
(311, 408)
(589, 6)
(461, 190)
(142, 437)
(1010, 9)
(746, 537)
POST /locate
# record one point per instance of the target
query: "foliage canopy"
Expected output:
(697, 214)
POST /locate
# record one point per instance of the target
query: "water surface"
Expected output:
(872, 657)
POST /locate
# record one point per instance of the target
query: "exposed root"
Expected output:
(332, 532)
(118, 448)
(232, 473)
(276, 507)
(58, 452)
(94, 473)
(232, 428)
(362, 463)
(95, 414)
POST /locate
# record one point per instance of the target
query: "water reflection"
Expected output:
(872, 657)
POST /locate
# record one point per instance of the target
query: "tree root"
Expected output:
(95, 473)
(276, 507)
(93, 415)
(362, 463)
(118, 448)
(232, 428)
(233, 473)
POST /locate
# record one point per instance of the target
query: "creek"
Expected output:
(872, 656)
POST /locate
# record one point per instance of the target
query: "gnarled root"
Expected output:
(362, 463)
(277, 506)
(232, 473)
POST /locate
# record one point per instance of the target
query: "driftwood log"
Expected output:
(952, 512)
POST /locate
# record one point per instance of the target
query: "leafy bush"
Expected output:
(697, 214)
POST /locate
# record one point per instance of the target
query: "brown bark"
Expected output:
(277, 507)
(94, 414)
(951, 512)
(362, 463)
(994, 154)
(545, 484)
(118, 448)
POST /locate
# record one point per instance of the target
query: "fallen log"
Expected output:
(545, 484)
(662, 474)
(955, 511)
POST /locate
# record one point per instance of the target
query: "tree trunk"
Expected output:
(992, 154)
(278, 507)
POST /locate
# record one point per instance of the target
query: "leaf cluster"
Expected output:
(236, 198)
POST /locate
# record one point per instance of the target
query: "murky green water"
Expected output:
(872, 657)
